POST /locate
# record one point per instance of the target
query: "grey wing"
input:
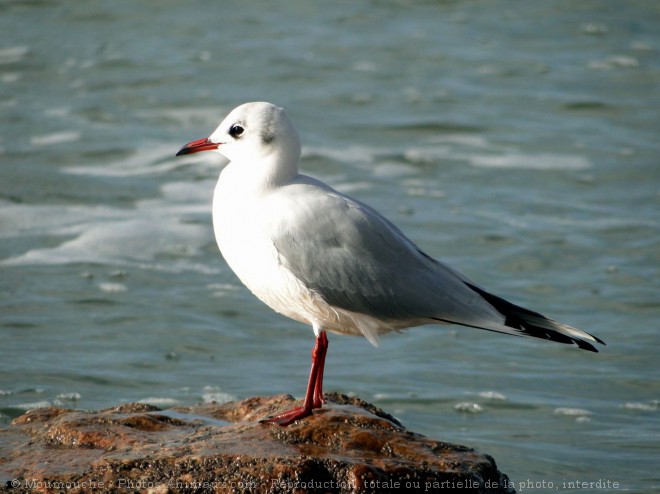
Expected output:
(355, 259)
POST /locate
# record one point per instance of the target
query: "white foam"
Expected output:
(159, 401)
(357, 154)
(195, 195)
(62, 111)
(134, 239)
(73, 396)
(103, 234)
(112, 287)
(185, 117)
(10, 77)
(222, 289)
(642, 407)
(458, 147)
(150, 159)
(217, 397)
(468, 407)
(49, 219)
(183, 266)
(492, 395)
(594, 28)
(393, 170)
(614, 62)
(55, 138)
(33, 405)
(572, 412)
(427, 155)
(531, 161)
(424, 191)
(212, 394)
(13, 54)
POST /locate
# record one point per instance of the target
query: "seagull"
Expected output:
(331, 261)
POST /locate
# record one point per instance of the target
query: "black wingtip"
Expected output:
(585, 346)
(530, 323)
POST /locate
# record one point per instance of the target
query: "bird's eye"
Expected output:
(236, 130)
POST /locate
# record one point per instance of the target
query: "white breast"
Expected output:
(242, 232)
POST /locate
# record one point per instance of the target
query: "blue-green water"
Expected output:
(517, 141)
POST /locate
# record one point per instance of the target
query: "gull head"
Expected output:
(252, 132)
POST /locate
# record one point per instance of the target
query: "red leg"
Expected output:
(318, 388)
(314, 394)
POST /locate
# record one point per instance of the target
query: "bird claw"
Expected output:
(288, 417)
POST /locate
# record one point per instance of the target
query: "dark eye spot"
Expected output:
(236, 131)
(267, 137)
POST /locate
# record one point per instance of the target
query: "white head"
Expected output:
(254, 134)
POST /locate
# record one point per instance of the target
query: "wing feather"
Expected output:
(357, 260)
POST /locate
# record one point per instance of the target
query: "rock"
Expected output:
(347, 446)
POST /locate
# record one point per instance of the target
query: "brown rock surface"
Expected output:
(347, 446)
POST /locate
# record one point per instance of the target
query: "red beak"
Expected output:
(197, 146)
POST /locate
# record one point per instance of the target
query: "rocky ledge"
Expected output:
(348, 446)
